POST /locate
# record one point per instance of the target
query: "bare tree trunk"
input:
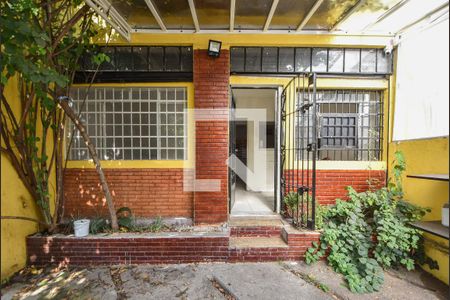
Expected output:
(64, 103)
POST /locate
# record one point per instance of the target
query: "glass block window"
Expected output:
(350, 125)
(137, 123)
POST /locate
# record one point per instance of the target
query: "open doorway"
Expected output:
(254, 143)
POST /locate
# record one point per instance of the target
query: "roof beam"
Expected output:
(348, 14)
(111, 16)
(443, 7)
(386, 14)
(156, 15)
(194, 15)
(270, 15)
(310, 13)
(232, 14)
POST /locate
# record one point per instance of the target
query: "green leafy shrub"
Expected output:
(157, 225)
(292, 202)
(370, 232)
(98, 225)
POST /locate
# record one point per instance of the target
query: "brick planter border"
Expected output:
(159, 249)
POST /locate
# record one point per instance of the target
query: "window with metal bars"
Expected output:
(136, 123)
(350, 125)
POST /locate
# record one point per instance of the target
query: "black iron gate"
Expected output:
(299, 139)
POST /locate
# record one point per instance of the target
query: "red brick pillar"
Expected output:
(211, 84)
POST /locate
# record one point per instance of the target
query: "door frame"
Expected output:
(278, 88)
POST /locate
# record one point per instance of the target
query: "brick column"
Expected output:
(211, 84)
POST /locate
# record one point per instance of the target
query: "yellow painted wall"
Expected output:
(15, 201)
(428, 156)
(200, 40)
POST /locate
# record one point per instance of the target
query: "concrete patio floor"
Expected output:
(283, 280)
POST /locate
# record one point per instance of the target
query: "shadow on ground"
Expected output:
(284, 280)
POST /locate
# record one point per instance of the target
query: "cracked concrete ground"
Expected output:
(283, 280)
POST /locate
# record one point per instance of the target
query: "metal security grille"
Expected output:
(299, 149)
(135, 123)
(350, 125)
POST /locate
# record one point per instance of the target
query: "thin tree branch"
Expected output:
(69, 24)
(64, 103)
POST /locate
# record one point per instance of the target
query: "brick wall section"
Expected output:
(43, 251)
(297, 245)
(255, 231)
(211, 85)
(107, 251)
(331, 184)
(148, 192)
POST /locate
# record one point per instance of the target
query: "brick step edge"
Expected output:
(255, 231)
(42, 251)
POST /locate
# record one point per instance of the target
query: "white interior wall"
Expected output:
(257, 99)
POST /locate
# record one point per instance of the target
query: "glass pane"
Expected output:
(286, 58)
(368, 61)
(140, 62)
(213, 14)
(186, 59)
(336, 60)
(110, 52)
(156, 58)
(384, 62)
(172, 59)
(290, 13)
(86, 61)
(124, 59)
(319, 60)
(253, 60)
(252, 14)
(352, 60)
(136, 13)
(175, 14)
(237, 59)
(302, 59)
(270, 60)
(329, 13)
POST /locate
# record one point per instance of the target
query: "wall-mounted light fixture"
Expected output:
(214, 48)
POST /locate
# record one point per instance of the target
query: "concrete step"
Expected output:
(255, 231)
(257, 242)
(272, 221)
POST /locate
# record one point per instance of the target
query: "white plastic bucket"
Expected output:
(445, 216)
(81, 227)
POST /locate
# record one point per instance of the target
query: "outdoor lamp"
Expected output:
(214, 48)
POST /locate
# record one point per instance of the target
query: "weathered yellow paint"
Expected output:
(150, 164)
(428, 156)
(15, 201)
(201, 40)
(437, 248)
